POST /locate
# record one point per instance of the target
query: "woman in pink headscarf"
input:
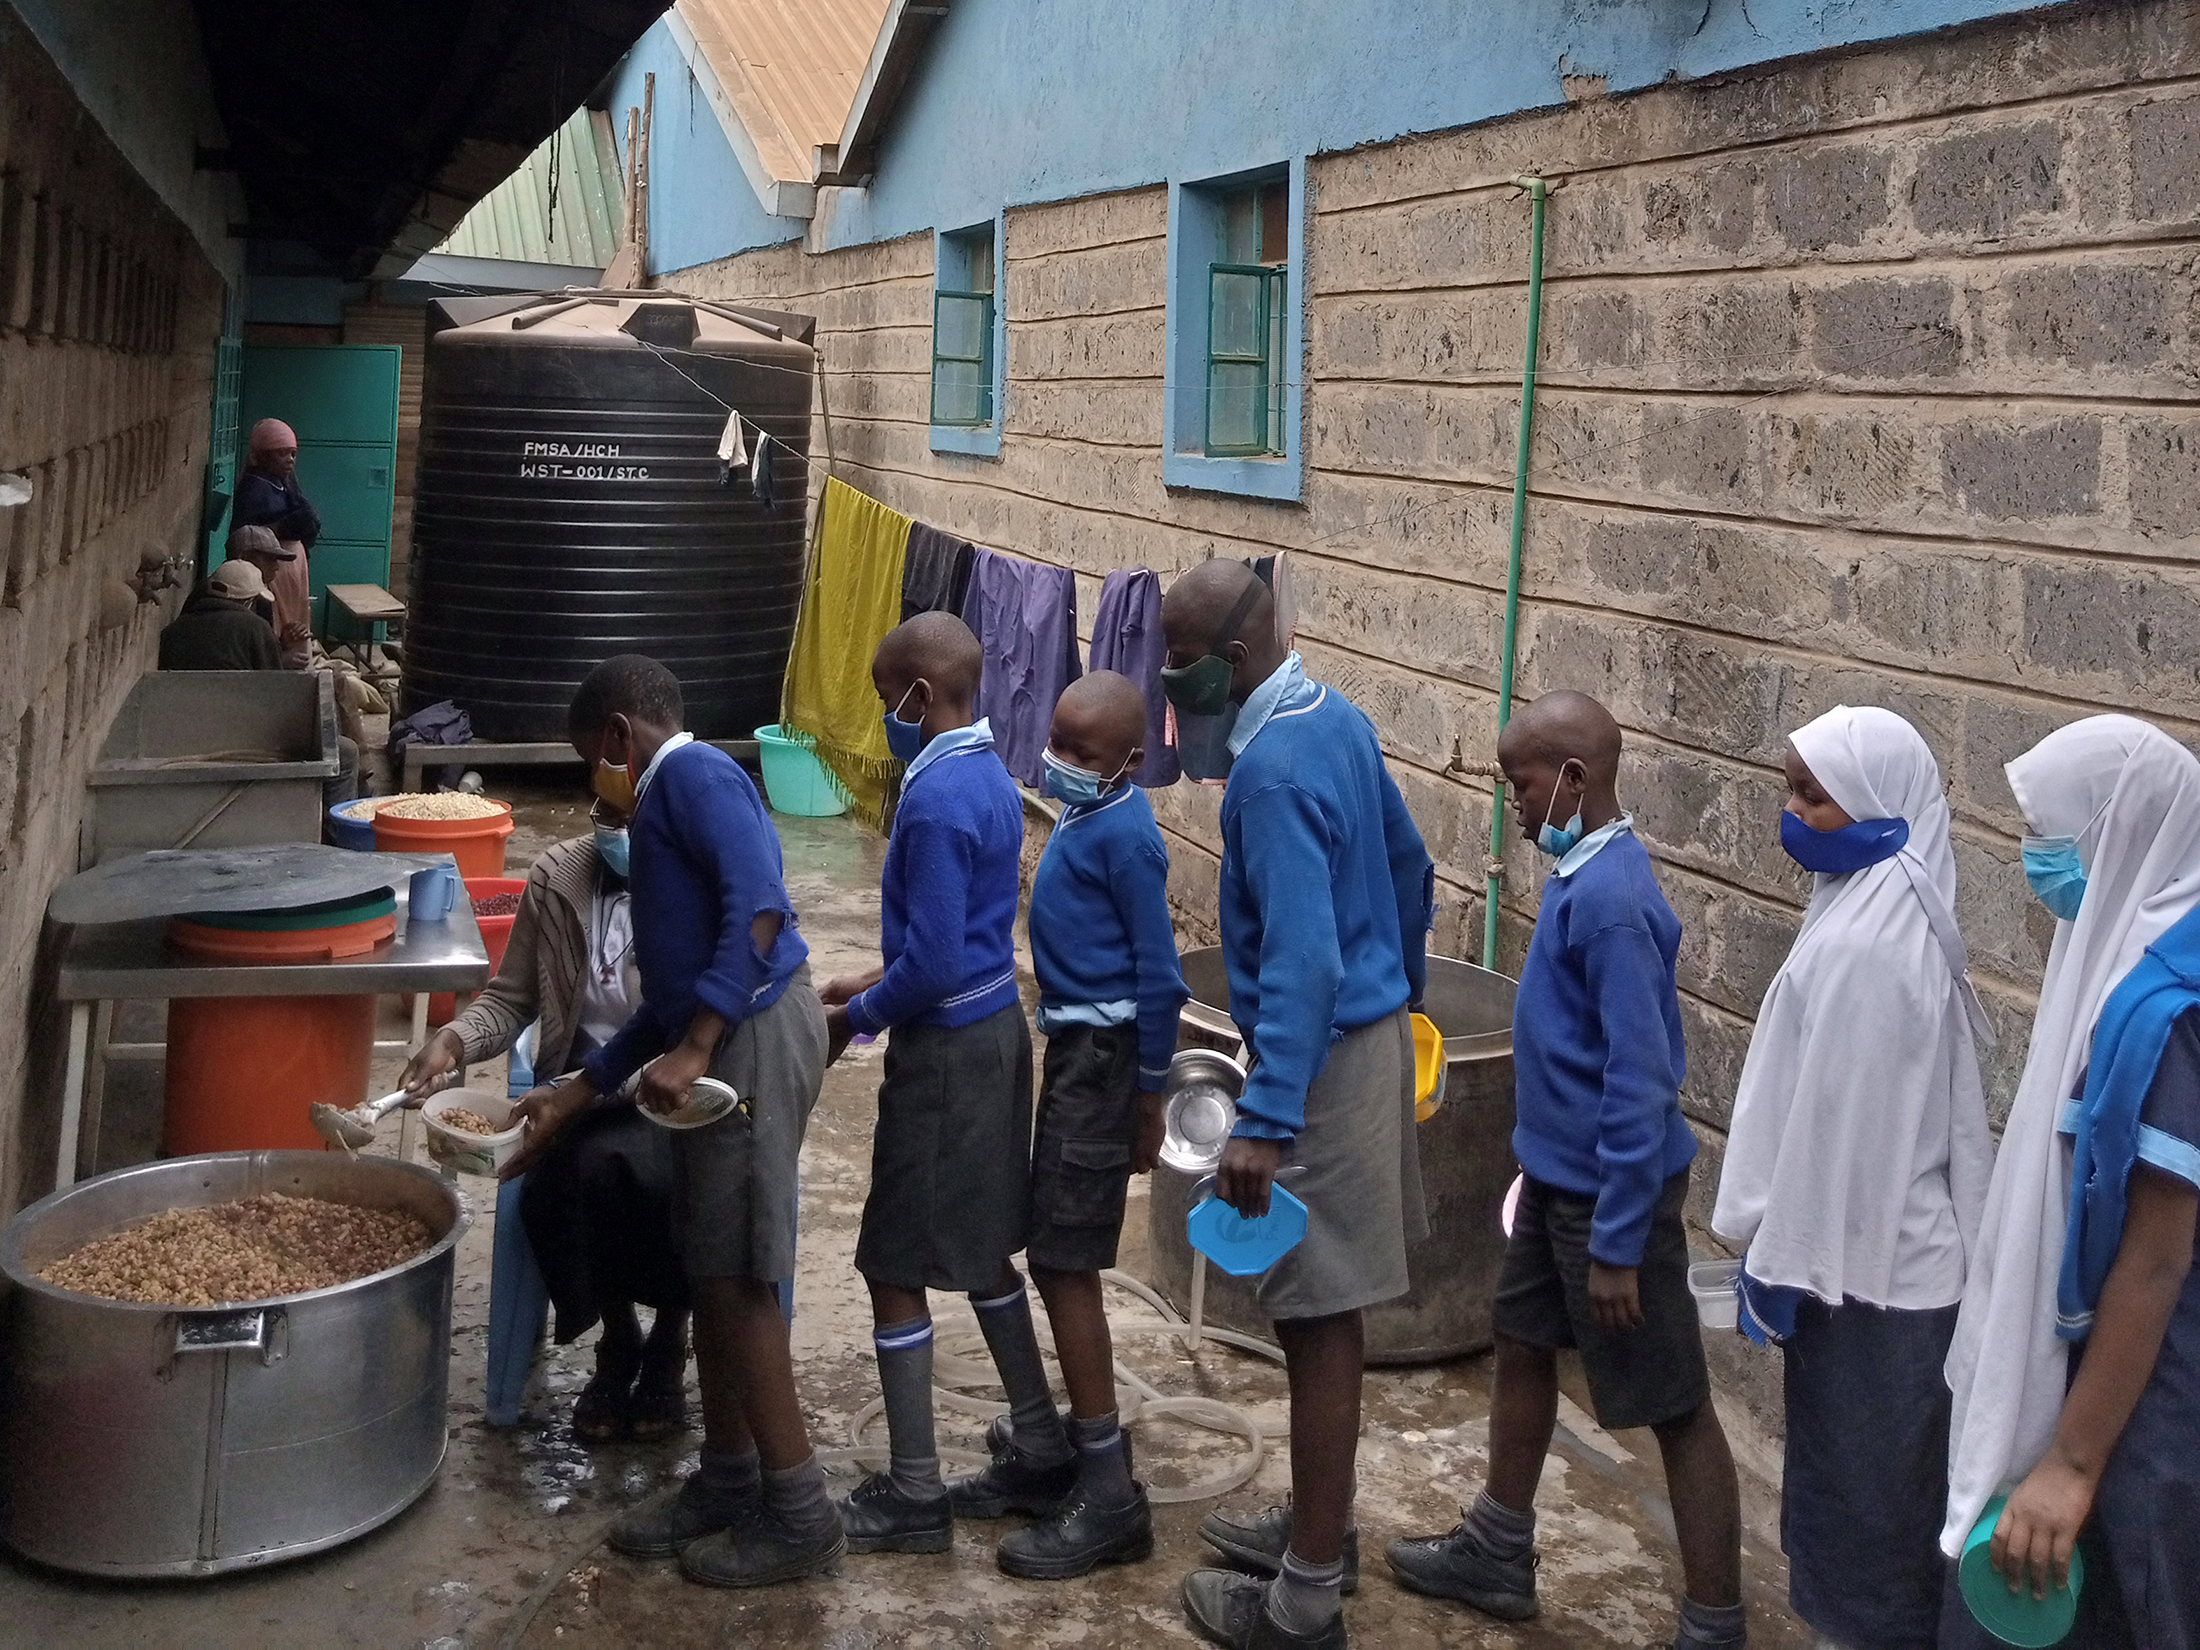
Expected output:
(268, 496)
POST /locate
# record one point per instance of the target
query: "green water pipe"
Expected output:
(1538, 193)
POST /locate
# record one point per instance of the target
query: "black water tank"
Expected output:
(571, 505)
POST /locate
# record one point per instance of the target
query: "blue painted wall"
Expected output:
(701, 205)
(1019, 101)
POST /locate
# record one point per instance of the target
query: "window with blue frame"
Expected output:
(1231, 415)
(963, 330)
(1245, 314)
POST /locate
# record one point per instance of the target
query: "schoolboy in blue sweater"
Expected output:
(950, 1195)
(1598, 1257)
(1110, 986)
(726, 985)
(1325, 905)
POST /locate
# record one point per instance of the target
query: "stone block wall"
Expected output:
(1865, 378)
(108, 316)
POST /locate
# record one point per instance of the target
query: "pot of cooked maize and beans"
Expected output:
(218, 1362)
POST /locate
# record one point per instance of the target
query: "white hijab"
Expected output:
(1859, 1154)
(2130, 794)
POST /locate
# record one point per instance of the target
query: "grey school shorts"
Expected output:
(1362, 1180)
(1081, 1162)
(950, 1196)
(734, 1183)
(1647, 1376)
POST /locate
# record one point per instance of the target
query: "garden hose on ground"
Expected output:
(960, 1360)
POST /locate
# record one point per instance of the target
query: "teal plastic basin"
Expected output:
(795, 781)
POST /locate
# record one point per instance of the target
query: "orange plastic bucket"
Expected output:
(477, 844)
(242, 1071)
(496, 934)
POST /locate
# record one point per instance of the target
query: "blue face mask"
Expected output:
(1855, 845)
(1559, 840)
(905, 739)
(611, 849)
(2057, 875)
(1073, 785)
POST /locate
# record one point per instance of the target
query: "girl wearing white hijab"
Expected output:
(1855, 1173)
(2114, 805)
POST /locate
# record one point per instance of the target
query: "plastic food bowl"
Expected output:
(472, 1153)
(1717, 1286)
(795, 781)
(2014, 1618)
(349, 830)
(1241, 1247)
(708, 1100)
(1428, 1069)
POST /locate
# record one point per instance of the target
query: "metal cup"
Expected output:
(1201, 1109)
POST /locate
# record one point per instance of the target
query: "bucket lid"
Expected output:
(2014, 1617)
(335, 913)
(1246, 1248)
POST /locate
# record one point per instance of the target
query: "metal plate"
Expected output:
(279, 876)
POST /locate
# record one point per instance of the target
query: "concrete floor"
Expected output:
(504, 1550)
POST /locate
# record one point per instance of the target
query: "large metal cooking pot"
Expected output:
(163, 1441)
(1466, 1164)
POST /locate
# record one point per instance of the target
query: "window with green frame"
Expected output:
(1245, 323)
(962, 330)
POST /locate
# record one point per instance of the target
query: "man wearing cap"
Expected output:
(268, 497)
(220, 627)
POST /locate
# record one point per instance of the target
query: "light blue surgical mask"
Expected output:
(1559, 840)
(905, 739)
(2057, 875)
(1074, 785)
(611, 849)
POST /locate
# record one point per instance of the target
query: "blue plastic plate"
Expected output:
(1246, 1248)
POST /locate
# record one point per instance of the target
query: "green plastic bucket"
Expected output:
(795, 781)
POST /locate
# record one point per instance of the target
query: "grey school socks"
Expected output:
(905, 1376)
(1713, 1627)
(724, 1473)
(1304, 1598)
(798, 1498)
(1009, 1336)
(1505, 1533)
(1103, 1464)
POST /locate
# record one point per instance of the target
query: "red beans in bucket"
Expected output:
(495, 905)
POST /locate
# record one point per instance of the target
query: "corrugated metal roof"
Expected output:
(789, 67)
(516, 223)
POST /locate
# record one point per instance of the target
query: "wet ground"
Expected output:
(504, 1550)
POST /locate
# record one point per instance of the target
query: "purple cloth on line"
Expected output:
(1024, 615)
(1127, 639)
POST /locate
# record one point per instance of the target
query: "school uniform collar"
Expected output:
(664, 750)
(1285, 692)
(1592, 845)
(976, 737)
(1074, 812)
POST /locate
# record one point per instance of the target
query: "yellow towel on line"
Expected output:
(852, 599)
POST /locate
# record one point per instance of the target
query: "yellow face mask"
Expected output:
(615, 786)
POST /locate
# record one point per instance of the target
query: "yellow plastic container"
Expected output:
(1428, 1068)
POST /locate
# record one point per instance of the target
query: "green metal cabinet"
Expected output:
(342, 401)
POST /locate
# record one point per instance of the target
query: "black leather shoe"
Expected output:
(1079, 1538)
(878, 1518)
(1258, 1543)
(1458, 1566)
(660, 1528)
(763, 1551)
(1013, 1482)
(1231, 1609)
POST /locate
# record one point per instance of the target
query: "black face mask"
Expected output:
(1202, 687)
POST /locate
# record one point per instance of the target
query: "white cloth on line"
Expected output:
(1858, 1158)
(2130, 794)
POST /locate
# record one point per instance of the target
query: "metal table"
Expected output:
(106, 963)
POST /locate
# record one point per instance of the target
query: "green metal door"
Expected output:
(342, 401)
